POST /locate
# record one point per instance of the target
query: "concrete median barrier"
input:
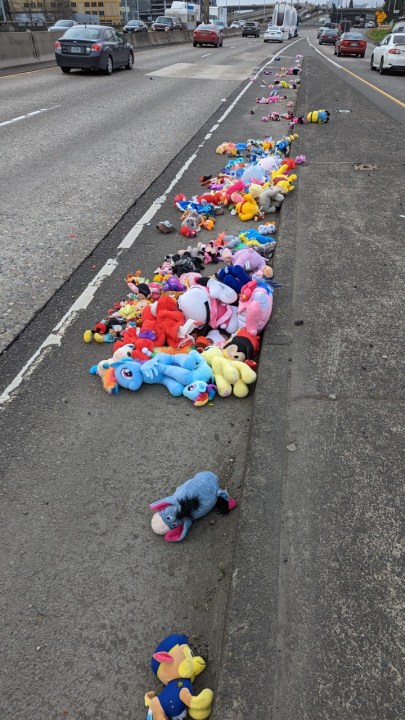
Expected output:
(44, 43)
(28, 48)
(17, 49)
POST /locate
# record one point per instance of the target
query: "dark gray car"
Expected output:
(93, 47)
(135, 26)
(252, 29)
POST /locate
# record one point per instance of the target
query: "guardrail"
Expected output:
(28, 48)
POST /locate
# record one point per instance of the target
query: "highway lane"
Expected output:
(392, 84)
(70, 172)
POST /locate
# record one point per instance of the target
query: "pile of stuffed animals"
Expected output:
(194, 328)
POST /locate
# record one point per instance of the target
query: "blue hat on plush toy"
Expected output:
(234, 276)
(165, 646)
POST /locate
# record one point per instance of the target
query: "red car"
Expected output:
(328, 35)
(351, 43)
(209, 34)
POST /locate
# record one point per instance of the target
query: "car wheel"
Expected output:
(66, 70)
(130, 62)
(372, 63)
(194, 44)
(109, 67)
(382, 69)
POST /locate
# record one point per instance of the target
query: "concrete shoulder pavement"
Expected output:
(313, 626)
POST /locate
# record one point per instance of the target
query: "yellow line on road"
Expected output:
(27, 72)
(358, 77)
(391, 97)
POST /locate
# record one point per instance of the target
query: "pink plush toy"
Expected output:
(255, 306)
(249, 260)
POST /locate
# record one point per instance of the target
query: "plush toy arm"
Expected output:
(180, 532)
(148, 697)
(200, 706)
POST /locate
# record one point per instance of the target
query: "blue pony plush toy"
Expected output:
(195, 498)
(175, 372)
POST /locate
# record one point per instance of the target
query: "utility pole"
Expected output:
(205, 11)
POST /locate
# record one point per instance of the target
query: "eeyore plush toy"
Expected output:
(195, 498)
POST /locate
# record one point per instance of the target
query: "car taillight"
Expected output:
(344, 42)
(96, 47)
(57, 45)
(394, 51)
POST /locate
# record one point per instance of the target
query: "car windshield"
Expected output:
(398, 39)
(134, 22)
(82, 33)
(163, 19)
(63, 23)
(352, 36)
(206, 27)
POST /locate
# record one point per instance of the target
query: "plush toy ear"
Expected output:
(174, 535)
(160, 505)
(179, 532)
(162, 657)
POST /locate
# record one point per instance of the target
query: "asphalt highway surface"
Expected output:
(70, 172)
(294, 598)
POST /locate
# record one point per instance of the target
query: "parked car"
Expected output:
(251, 29)
(93, 47)
(351, 43)
(135, 26)
(62, 25)
(369, 24)
(209, 34)
(389, 54)
(328, 36)
(167, 23)
(273, 34)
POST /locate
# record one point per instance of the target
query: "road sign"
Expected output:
(381, 16)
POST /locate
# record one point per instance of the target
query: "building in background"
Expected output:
(108, 11)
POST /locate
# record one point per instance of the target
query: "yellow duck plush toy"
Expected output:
(229, 375)
(248, 208)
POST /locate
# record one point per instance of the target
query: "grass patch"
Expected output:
(377, 34)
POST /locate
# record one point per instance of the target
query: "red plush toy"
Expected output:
(168, 323)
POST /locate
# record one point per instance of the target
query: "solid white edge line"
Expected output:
(83, 301)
